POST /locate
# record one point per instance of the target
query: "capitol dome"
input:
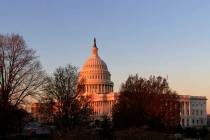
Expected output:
(95, 73)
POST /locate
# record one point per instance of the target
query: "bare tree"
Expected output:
(65, 89)
(20, 71)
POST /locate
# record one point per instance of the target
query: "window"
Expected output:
(188, 112)
(187, 122)
(193, 112)
(182, 122)
(193, 121)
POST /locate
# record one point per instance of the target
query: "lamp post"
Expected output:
(0, 75)
(1, 71)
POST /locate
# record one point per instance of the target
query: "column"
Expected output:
(100, 110)
(85, 88)
(98, 88)
(95, 88)
(91, 89)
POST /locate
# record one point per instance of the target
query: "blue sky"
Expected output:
(150, 37)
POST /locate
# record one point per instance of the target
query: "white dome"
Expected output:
(96, 64)
(95, 70)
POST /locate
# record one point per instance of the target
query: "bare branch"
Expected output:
(21, 73)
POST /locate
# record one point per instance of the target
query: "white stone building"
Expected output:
(193, 111)
(98, 84)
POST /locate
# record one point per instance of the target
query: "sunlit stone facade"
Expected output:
(193, 111)
(98, 84)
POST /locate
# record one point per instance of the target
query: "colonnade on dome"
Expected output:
(98, 88)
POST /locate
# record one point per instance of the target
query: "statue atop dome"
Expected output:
(95, 48)
(94, 42)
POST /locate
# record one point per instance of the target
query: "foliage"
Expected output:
(71, 106)
(146, 102)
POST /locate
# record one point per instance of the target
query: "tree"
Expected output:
(64, 89)
(146, 102)
(20, 71)
(20, 77)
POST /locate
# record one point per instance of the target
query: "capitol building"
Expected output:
(98, 84)
(96, 79)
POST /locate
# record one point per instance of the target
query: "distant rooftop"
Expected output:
(193, 97)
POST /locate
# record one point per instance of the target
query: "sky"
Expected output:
(149, 37)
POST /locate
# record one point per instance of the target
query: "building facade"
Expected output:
(42, 112)
(98, 84)
(193, 112)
